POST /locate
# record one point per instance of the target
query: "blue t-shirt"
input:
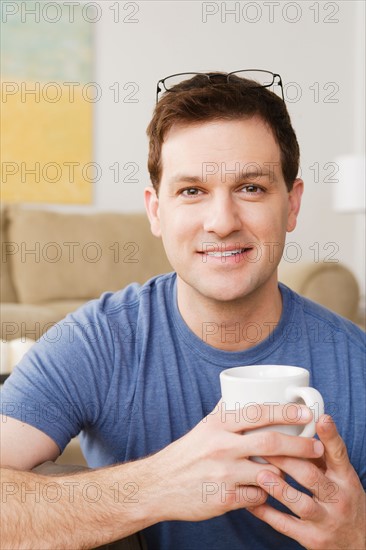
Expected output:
(128, 373)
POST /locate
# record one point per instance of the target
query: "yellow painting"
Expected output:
(46, 110)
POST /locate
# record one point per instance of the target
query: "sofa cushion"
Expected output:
(20, 320)
(79, 256)
(6, 285)
(61, 308)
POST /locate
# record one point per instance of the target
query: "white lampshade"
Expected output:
(349, 190)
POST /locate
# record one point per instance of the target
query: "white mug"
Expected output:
(271, 385)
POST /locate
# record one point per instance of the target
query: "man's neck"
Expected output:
(231, 326)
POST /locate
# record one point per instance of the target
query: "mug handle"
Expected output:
(313, 400)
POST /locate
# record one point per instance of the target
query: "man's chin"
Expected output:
(227, 295)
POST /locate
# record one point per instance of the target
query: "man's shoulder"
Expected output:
(130, 298)
(318, 316)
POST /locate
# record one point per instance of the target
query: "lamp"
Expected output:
(349, 197)
(349, 190)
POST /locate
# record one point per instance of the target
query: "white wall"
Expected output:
(320, 48)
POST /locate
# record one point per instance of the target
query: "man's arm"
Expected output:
(82, 510)
(204, 474)
(22, 446)
(67, 511)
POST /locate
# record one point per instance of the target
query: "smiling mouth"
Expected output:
(227, 253)
(237, 253)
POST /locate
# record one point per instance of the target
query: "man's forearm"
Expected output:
(81, 510)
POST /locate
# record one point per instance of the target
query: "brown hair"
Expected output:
(199, 99)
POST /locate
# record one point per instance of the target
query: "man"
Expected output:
(167, 457)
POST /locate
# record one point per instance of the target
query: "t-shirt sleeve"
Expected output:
(60, 385)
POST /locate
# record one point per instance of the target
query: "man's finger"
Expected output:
(335, 454)
(304, 506)
(268, 443)
(283, 523)
(307, 474)
(255, 415)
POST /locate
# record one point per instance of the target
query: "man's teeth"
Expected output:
(230, 253)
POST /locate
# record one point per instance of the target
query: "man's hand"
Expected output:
(208, 472)
(334, 518)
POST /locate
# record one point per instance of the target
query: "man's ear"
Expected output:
(152, 210)
(294, 198)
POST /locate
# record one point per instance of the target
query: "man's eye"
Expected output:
(190, 192)
(252, 189)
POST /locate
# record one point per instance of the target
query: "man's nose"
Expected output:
(222, 216)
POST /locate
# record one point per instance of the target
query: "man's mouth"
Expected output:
(227, 253)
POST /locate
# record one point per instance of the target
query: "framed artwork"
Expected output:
(47, 97)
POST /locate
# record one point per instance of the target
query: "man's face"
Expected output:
(223, 207)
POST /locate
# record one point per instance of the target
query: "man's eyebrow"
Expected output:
(256, 174)
(250, 174)
(184, 178)
(266, 173)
